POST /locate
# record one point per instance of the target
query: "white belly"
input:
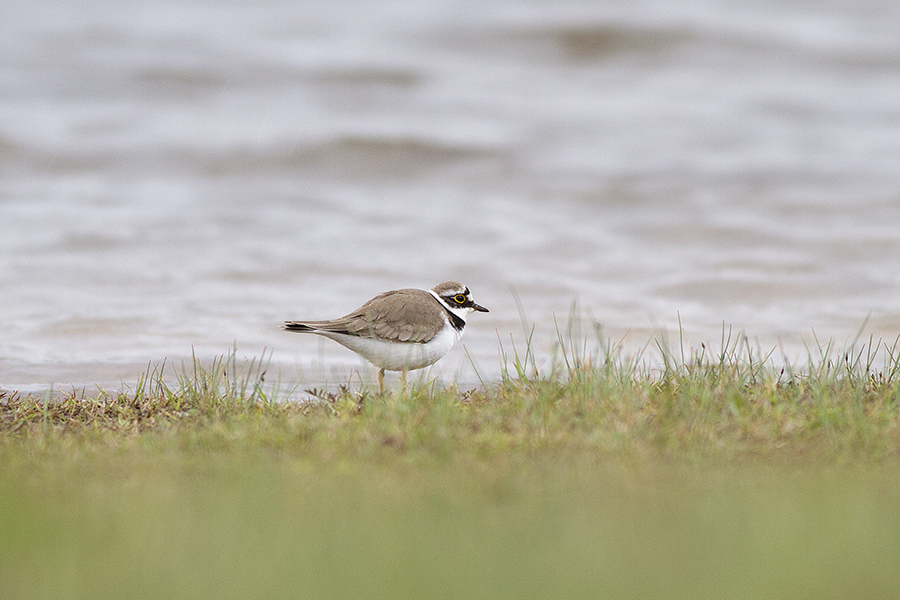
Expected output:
(404, 356)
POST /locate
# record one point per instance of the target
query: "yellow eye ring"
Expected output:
(459, 298)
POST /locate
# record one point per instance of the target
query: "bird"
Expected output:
(401, 330)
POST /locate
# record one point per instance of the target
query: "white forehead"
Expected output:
(449, 288)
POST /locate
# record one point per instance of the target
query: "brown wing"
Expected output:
(401, 315)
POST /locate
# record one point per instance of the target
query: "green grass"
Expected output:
(708, 475)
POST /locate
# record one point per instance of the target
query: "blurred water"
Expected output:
(180, 177)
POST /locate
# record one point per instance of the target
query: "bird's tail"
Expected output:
(296, 326)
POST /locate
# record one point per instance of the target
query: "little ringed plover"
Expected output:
(401, 330)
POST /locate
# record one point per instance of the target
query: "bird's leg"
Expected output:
(381, 381)
(403, 379)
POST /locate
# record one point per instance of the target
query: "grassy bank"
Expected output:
(706, 476)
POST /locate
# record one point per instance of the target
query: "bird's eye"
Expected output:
(459, 298)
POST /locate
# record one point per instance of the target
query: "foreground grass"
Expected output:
(709, 477)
